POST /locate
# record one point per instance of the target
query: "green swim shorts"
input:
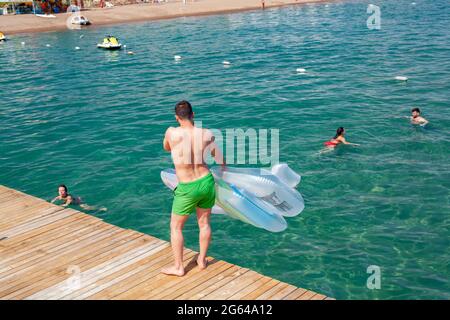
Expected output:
(190, 195)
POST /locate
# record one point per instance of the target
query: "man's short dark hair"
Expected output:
(415, 109)
(63, 186)
(183, 109)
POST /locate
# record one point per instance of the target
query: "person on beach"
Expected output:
(68, 199)
(189, 145)
(263, 4)
(338, 139)
(416, 118)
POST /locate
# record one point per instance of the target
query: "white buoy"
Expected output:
(413, 3)
(226, 63)
(22, 43)
(77, 48)
(301, 70)
(124, 45)
(130, 52)
(177, 58)
(401, 78)
(47, 45)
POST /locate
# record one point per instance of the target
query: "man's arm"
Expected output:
(166, 144)
(216, 153)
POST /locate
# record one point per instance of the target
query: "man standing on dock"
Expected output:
(189, 145)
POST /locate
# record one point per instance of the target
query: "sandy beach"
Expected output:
(13, 24)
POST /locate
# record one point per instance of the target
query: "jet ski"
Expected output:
(110, 43)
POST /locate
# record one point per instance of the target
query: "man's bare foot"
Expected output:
(173, 271)
(202, 264)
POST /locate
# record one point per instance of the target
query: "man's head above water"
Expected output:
(415, 112)
(183, 111)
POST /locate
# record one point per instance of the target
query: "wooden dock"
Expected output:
(51, 252)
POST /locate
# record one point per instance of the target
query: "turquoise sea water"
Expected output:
(95, 120)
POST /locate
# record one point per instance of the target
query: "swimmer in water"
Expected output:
(416, 118)
(338, 139)
(69, 199)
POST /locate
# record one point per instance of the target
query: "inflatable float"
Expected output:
(260, 197)
(2, 37)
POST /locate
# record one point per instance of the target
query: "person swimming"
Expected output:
(68, 199)
(338, 139)
(416, 118)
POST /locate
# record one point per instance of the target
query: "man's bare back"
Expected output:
(187, 146)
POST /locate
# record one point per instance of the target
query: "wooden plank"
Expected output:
(295, 294)
(40, 245)
(307, 295)
(267, 286)
(194, 274)
(37, 223)
(9, 194)
(22, 285)
(53, 244)
(212, 284)
(249, 289)
(116, 277)
(8, 200)
(146, 270)
(89, 276)
(37, 246)
(13, 202)
(138, 292)
(35, 238)
(191, 283)
(88, 260)
(42, 257)
(233, 286)
(4, 189)
(282, 293)
(24, 264)
(318, 296)
(278, 287)
(147, 286)
(19, 215)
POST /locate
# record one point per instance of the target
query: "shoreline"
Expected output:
(20, 24)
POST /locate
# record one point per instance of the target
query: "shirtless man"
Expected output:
(189, 146)
(416, 118)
